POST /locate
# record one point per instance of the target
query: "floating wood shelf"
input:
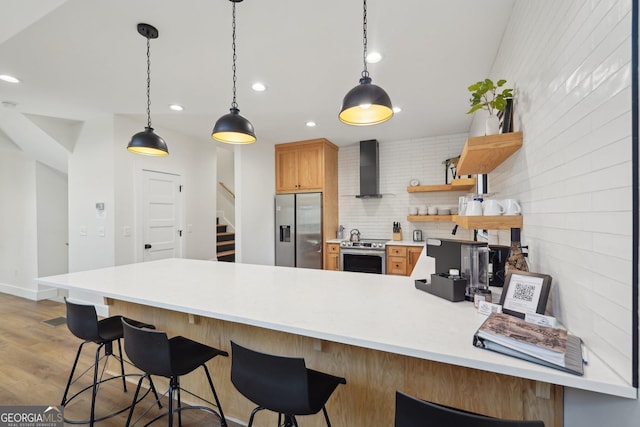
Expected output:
(500, 222)
(481, 154)
(430, 218)
(462, 184)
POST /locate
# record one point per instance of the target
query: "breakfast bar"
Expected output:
(377, 331)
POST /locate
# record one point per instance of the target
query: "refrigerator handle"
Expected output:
(285, 233)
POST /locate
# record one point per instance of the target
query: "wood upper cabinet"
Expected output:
(300, 166)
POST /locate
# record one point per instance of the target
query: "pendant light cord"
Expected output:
(365, 73)
(234, 104)
(148, 83)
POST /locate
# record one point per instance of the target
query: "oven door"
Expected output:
(363, 260)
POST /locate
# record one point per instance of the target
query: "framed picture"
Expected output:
(525, 292)
(506, 117)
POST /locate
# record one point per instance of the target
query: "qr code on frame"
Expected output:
(524, 292)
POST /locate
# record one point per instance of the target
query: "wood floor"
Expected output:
(35, 360)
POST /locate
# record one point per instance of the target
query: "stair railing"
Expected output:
(227, 189)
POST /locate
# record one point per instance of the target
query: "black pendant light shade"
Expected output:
(148, 142)
(233, 128)
(365, 104)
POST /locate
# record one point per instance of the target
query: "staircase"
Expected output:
(225, 243)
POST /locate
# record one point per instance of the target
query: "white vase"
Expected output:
(492, 125)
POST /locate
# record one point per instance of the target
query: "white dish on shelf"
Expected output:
(414, 183)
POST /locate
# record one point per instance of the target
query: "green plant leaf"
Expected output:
(475, 108)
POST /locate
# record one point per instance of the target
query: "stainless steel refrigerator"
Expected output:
(299, 230)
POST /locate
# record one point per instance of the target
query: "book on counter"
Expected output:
(552, 347)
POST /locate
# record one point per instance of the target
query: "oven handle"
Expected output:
(377, 252)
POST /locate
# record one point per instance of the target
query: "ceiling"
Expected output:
(79, 58)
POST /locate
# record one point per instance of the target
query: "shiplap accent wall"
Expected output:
(570, 64)
(400, 162)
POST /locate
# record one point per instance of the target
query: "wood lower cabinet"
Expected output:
(402, 259)
(333, 256)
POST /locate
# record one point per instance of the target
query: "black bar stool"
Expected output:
(82, 321)
(412, 412)
(281, 384)
(155, 354)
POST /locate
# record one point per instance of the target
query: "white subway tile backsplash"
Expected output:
(400, 162)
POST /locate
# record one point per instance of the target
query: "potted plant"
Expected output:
(486, 95)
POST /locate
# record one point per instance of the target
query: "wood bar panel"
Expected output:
(368, 398)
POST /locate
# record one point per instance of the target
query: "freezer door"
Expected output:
(285, 229)
(309, 230)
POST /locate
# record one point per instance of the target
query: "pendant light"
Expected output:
(366, 104)
(232, 128)
(147, 142)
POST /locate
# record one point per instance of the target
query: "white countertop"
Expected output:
(373, 311)
(404, 243)
(388, 243)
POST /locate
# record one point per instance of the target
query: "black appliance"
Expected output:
(448, 252)
(498, 256)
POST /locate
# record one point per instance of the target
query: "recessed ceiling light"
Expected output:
(176, 107)
(311, 123)
(258, 87)
(374, 57)
(9, 79)
(396, 109)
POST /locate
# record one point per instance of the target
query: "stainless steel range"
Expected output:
(364, 256)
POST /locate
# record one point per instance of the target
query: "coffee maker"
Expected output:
(497, 260)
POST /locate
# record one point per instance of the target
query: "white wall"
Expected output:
(399, 163)
(52, 220)
(18, 228)
(91, 178)
(570, 63)
(255, 189)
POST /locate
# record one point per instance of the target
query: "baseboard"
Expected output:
(41, 293)
(45, 292)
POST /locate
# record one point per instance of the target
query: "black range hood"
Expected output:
(369, 179)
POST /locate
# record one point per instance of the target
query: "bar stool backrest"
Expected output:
(148, 349)
(276, 383)
(82, 321)
(412, 412)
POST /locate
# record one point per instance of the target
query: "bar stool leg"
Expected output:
(223, 420)
(124, 383)
(94, 391)
(73, 370)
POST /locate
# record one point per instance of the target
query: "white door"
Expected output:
(161, 230)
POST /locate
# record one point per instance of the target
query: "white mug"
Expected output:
(492, 207)
(474, 208)
(422, 210)
(433, 210)
(511, 207)
(413, 210)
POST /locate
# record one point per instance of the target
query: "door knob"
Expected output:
(147, 246)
